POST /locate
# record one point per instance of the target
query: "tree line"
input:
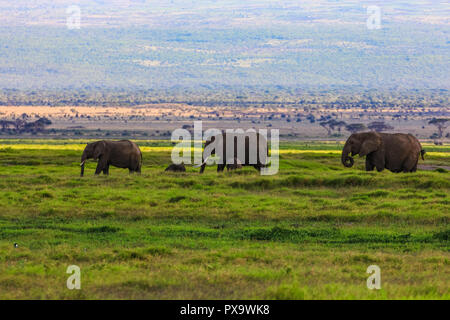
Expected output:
(22, 126)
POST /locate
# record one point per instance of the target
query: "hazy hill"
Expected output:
(224, 44)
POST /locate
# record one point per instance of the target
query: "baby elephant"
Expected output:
(235, 165)
(176, 168)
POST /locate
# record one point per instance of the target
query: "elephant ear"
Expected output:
(370, 144)
(99, 149)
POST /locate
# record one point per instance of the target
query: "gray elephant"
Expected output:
(252, 148)
(122, 154)
(396, 152)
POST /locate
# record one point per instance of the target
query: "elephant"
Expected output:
(396, 152)
(122, 154)
(176, 168)
(247, 150)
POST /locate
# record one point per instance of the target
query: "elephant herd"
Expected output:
(396, 152)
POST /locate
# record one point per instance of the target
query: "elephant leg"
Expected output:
(377, 159)
(220, 167)
(137, 168)
(410, 165)
(407, 168)
(202, 168)
(106, 170)
(134, 169)
(257, 167)
(369, 165)
(100, 167)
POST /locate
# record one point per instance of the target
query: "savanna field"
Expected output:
(309, 232)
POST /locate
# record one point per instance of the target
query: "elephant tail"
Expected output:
(422, 153)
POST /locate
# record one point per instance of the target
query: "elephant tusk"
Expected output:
(82, 164)
(204, 162)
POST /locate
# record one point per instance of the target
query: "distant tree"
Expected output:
(434, 136)
(441, 125)
(6, 124)
(325, 118)
(379, 126)
(325, 125)
(332, 125)
(311, 118)
(355, 127)
(37, 126)
(338, 125)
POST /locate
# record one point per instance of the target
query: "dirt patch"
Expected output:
(431, 168)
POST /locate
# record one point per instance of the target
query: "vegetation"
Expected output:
(441, 125)
(332, 125)
(379, 126)
(210, 48)
(356, 127)
(138, 71)
(411, 101)
(309, 232)
(21, 126)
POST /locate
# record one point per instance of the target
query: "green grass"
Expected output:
(309, 232)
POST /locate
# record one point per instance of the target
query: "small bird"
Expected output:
(16, 245)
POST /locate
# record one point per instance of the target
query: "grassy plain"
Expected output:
(309, 232)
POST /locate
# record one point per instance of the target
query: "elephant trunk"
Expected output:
(346, 159)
